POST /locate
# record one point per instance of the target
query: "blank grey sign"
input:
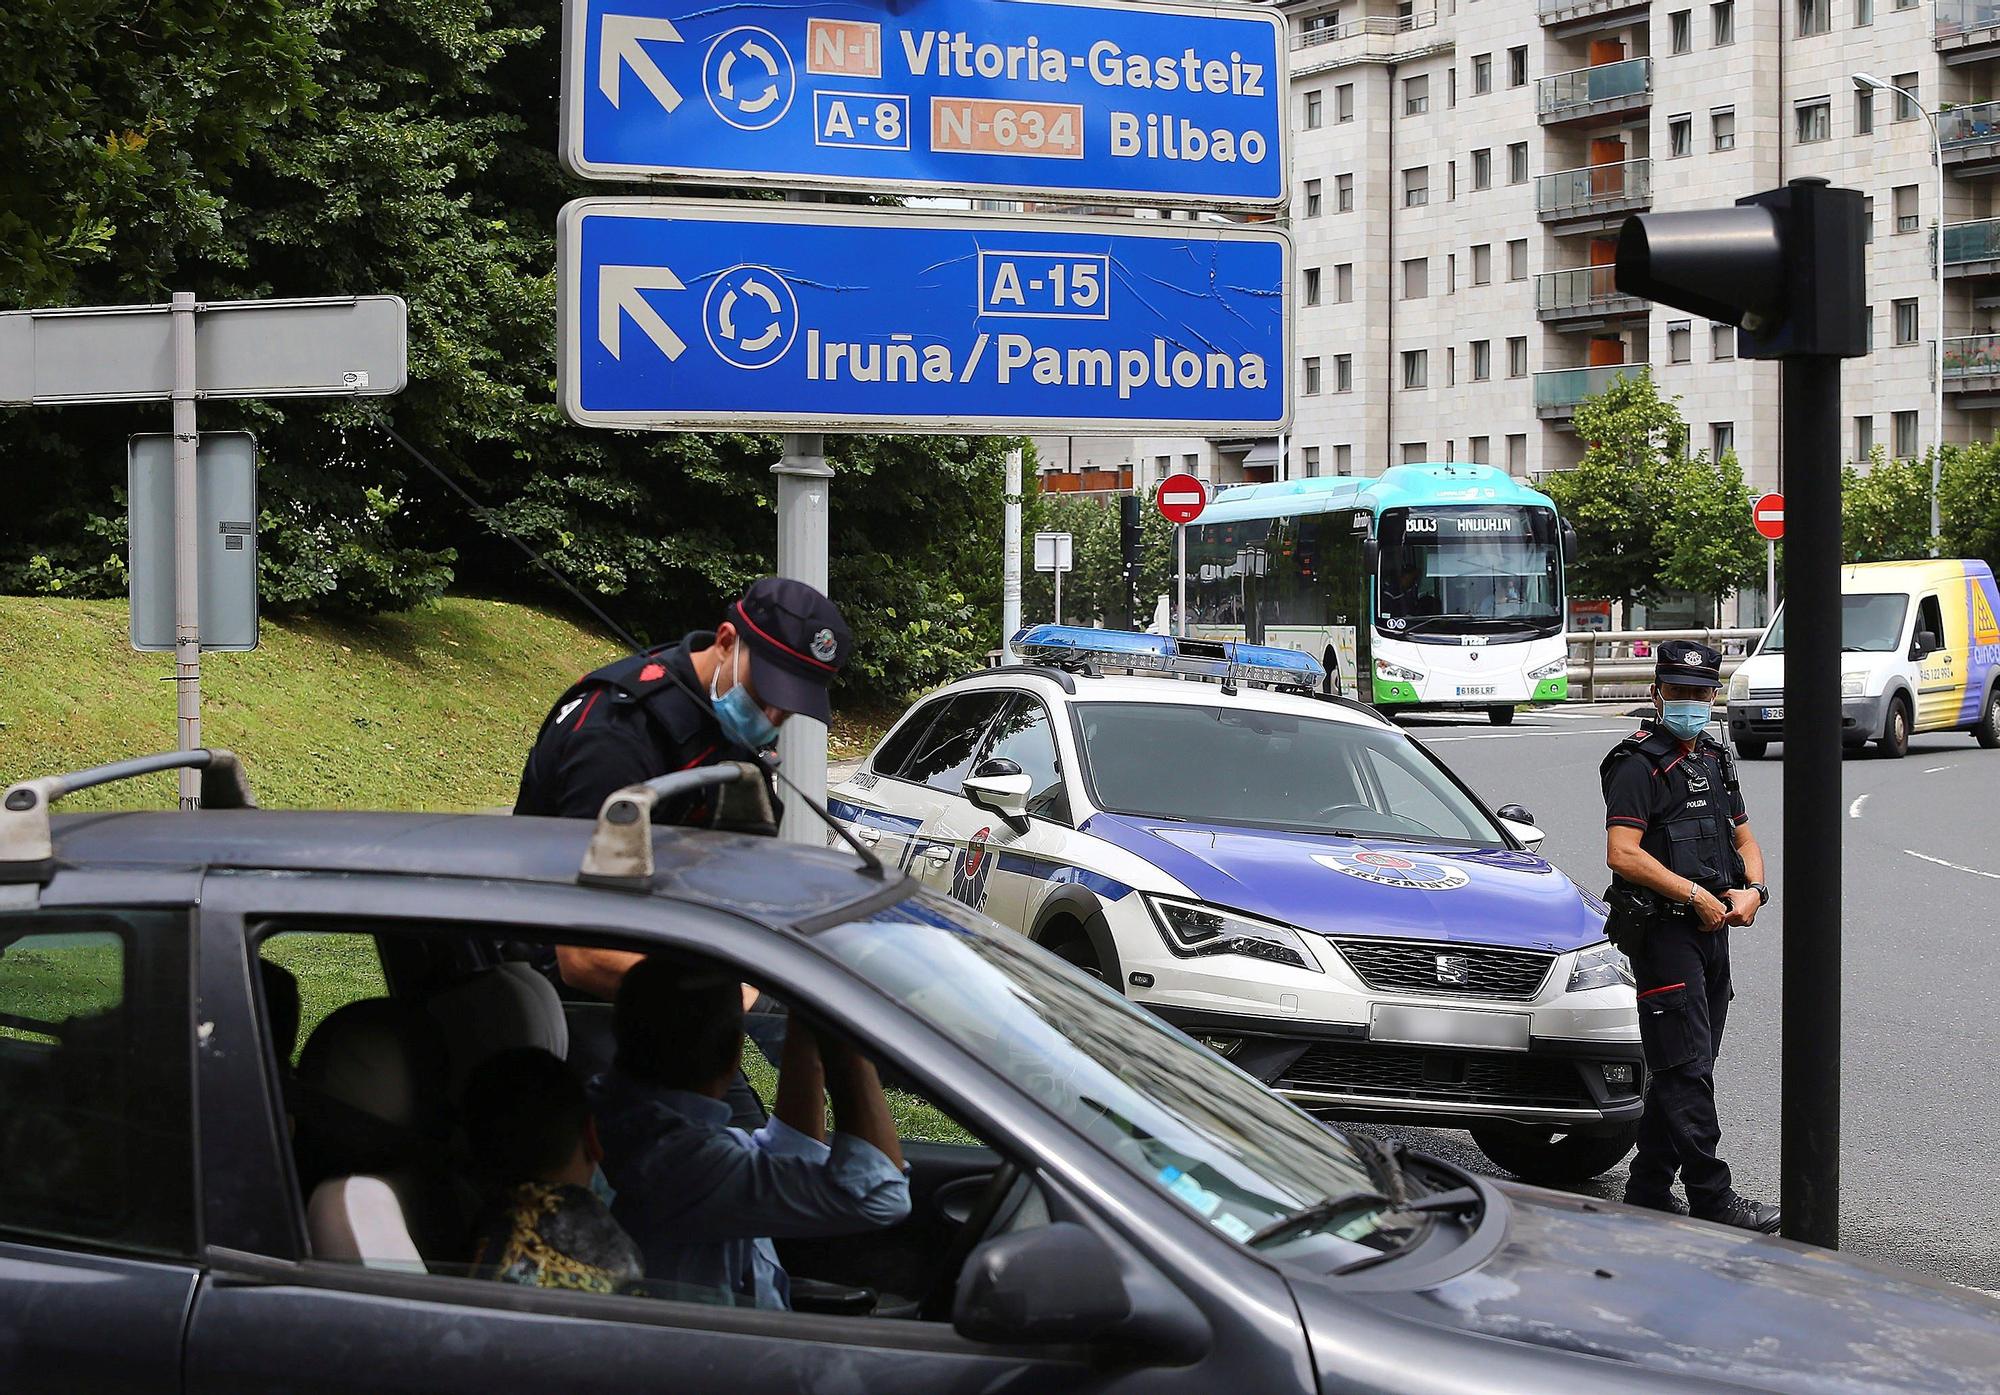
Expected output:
(226, 490)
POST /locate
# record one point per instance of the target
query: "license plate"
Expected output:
(1422, 1026)
(1773, 714)
(1485, 691)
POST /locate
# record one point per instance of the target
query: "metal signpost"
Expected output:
(1767, 516)
(1109, 101)
(1052, 554)
(1180, 500)
(333, 346)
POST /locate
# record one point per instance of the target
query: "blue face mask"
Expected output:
(742, 720)
(600, 1188)
(1684, 719)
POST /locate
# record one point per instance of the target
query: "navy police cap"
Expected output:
(798, 643)
(1688, 664)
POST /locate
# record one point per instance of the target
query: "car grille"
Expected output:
(1394, 966)
(1767, 695)
(1440, 1077)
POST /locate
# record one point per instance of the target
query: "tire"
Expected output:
(1331, 663)
(1500, 716)
(1986, 731)
(1078, 950)
(1895, 740)
(1549, 1159)
(1752, 750)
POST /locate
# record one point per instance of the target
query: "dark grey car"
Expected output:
(1135, 1215)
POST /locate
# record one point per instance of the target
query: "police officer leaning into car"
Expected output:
(1679, 844)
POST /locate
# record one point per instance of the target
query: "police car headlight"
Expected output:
(1193, 931)
(1396, 672)
(1739, 686)
(1600, 966)
(1548, 670)
(1853, 684)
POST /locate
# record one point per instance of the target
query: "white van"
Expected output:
(1920, 652)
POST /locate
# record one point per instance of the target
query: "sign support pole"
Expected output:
(804, 483)
(1010, 573)
(1059, 572)
(1180, 545)
(1770, 579)
(187, 541)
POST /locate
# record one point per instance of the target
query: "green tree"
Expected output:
(1969, 502)
(1885, 512)
(1095, 590)
(1711, 546)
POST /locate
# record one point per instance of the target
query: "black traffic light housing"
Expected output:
(1128, 530)
(1784, 266)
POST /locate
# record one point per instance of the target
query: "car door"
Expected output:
(1940, 676)
(999, 868)
(943, 856)
(98, 1220)
(879, 808)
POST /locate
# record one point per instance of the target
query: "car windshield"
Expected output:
(1231, 764)
(1869, 624)
(1176, 1115)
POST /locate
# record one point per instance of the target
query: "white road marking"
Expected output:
(1932, 770)
(1956, 867)
(1854, 809)
(1522, 731)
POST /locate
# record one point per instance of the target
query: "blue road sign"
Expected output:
(736, 315)
(1128, 100)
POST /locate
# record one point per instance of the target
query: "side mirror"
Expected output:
(1926, 643)
(999, 787)
(1056, 1283)
(1568, 542)
(1371, 556)
(1521, 824)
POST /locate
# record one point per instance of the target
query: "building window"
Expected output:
(1482, 169)
(1310, 290)
(1343, 193)
(1451, 273)
(1680, 31)
(1722, 23)
(1815, 17)
(1517, 357)
(1906, 435)
(1680, 341)
(1482, 360)
(1451, 86)
(1517, 163)
(1313, 110)
(1343, 460)
(1450, 375)
(1312, 198)
(1417, 186)
(1722, 342)
(1416, 278)
(1450, 180)
(1416, 368)
(1414, 452)
(1722, 126)
(1343, 102)
(1517, 455)
(1680, 137)
(1867, 220)
(1517, 66)
(1868, 328)
(1678, 437)
(1482, 263)
(1310, 387)
(1906, 109)
(1482, 74)
(1477, 448)
(1864, 13)
(1517, 259)
(1343, 372)
(1906, 208)
(1309, 459)
(1416, 95)
(1864, 111)
(1721, 439)
(1864, 437)
(1908, 327)
(1343, 283)
(1813, 120)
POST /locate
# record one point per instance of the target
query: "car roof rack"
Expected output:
(1080, 648)
(27, 844)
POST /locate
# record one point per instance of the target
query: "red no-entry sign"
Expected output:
(1182, 498)
(1767, 515)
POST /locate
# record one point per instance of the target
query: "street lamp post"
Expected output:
(1867, 80)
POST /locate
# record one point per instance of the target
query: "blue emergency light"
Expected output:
(1231, 661)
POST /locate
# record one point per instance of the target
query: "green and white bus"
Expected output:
(1430, 586)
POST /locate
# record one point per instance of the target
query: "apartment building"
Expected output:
(1461, 168)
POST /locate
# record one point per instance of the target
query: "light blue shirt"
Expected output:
(704, 1200)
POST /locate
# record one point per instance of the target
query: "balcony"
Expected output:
(1559, 392)
(1966, 31)
(1970, 137)
(1370, 39)
(1562, 14)
(1972, 369)
(1596, 96)
(1584, 298)
(1595, 197)
(1972, 249)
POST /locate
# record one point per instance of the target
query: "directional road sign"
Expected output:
(1768, 515)
(738, 315)
(1052, 552)
(1123, 100)
(1181, 498)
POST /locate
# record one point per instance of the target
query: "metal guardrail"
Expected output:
(1582, 88)
(1569, 193)
(1971, 356)
(1567, 387)
(1977, 124)
(1582, 288)
(1314, 35)
(1958, 16)
(1611, 657)
(1977, 241)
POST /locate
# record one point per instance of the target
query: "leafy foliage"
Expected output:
(1713, 547)
(1096, 591)
(1885, 513)
(1969, 502)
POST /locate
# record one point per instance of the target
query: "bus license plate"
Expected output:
(1485, 690)
(1773, 714)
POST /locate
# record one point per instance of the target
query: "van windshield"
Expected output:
(1869, 624)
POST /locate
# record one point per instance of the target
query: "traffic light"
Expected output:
(1785, 266)
(1128, 530)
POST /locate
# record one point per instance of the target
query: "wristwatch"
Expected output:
(1763, 893)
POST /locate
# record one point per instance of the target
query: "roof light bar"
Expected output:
(1231, 661)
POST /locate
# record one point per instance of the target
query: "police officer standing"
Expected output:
(1686, 868)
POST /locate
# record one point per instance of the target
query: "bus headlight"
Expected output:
(1600, 966)
(1549, 670)
(1396, 672)
(1194, 931)
(1739, 686)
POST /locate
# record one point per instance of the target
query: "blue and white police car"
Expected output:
(1284, 875)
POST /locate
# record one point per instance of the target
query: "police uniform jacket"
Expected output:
(1680, 801)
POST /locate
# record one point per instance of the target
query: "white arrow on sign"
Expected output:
(620, 46)
(618, 295)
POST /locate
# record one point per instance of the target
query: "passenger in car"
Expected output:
(705, 1200)
(528, 1123)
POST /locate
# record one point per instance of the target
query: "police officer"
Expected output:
(1677, 831)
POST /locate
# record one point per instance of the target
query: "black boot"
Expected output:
(1661, 1201)
(1745, 1214)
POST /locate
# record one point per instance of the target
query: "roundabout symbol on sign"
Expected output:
(751, 316)
(749, 78)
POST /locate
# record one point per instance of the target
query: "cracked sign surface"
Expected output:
(732, 315)
(1133, 100)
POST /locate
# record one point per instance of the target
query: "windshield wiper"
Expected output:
(1462, 1201)
(1319, 1213)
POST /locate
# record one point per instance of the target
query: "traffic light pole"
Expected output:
(1809, 1138)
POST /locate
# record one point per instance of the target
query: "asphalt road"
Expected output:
(1920, 943)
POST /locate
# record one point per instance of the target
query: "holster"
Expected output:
(1633, 911)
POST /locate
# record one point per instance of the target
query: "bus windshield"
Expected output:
(1469, 569)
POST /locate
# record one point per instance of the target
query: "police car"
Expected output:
(1284, 875)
